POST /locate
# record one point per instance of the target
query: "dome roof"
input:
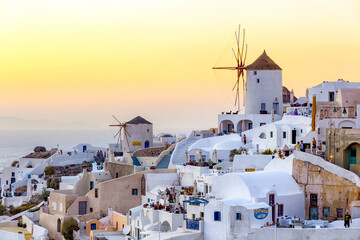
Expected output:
(264, 62)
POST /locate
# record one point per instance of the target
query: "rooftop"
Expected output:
(138, 120)
(264, 62)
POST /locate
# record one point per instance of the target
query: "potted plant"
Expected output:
(145, 205)
(218, 168)
(20, 224)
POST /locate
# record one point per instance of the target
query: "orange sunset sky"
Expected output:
(69, 60)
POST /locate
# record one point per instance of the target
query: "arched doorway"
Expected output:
(226, 126)
(58, 225)
(246, 124)
(165, 227)
(351, 154)
(147, 144)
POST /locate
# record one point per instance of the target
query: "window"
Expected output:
(271, 134)
(134, 191)
(263, 107)
(193, 216)
(353, 152)
(331, 96)
(91, 209)
(313, 199)
(96, 193)
(254, 72)
(301, 130)
(258, 80)
(284, 134)
(91, 185)
(117, 175)
(326, 212)
(339, 213)
(13, 174)
(192, 157)
(280, 210)
(238, 216)
(203, 157)
(202, 214)
(271, 199)
(148, 130)
(93, 226)
(217, 216)
(262, 124)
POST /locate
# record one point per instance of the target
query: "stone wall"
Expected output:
(332, 190)
(151, 152)
(337, 143)
(118, 169)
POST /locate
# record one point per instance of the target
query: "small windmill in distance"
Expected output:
(240, 58)
(122, 126)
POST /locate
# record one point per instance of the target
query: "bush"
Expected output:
(15, 163)
(22, 208)
(48, 182)
(55, 183)
(67, 228)
(45, 195)
(2, 209)
(49, 170)
(267, 152)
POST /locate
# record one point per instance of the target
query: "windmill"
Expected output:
(240, 58)
(122, 126)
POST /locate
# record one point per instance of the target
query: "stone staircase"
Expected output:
(178, 155)
(164, 163)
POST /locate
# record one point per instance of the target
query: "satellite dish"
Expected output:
(126, 230)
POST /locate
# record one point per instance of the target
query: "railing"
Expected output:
(192, 224)
(337, 112)
(302, 111)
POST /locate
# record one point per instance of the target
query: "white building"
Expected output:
(327, 91)
(140, 134)
(242, 201)
(263, 93)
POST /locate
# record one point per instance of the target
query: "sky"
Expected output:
(86, 60)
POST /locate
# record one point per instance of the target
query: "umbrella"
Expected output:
(272, 114)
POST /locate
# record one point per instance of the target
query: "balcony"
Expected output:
(337, 112)
(192, 224)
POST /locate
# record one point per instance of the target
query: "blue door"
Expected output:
(13, 180)
(314, 213)
(146, 144)
(93, 226)
(84, 148)
(91, 185)
(352, 156)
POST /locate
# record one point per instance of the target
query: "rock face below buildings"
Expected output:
(151, 152)
(286, 95)
(40, 153)
(324, 189)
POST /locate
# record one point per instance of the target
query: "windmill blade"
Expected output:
(236, 83)
(245, 55)
(126, 132)
(117, 133)
(236, 97)
(243, 42)
(116, 119)
(236, 58)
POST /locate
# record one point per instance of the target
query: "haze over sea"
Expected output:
(16, 144)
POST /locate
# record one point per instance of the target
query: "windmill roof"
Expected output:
(264, 62)
(138, 120)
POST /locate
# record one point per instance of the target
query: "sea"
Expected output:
(16, 144)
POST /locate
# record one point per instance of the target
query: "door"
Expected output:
(314, 213)
(84, 148)
(352, 156)
(331, 96)
(82, 207)
(13, 180)
(293, 137)
(146, 144)
(250, 125)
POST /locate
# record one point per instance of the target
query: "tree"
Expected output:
(55, 183)
(45, 195)
(49, 170)
(2, 209)
(67, 228)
